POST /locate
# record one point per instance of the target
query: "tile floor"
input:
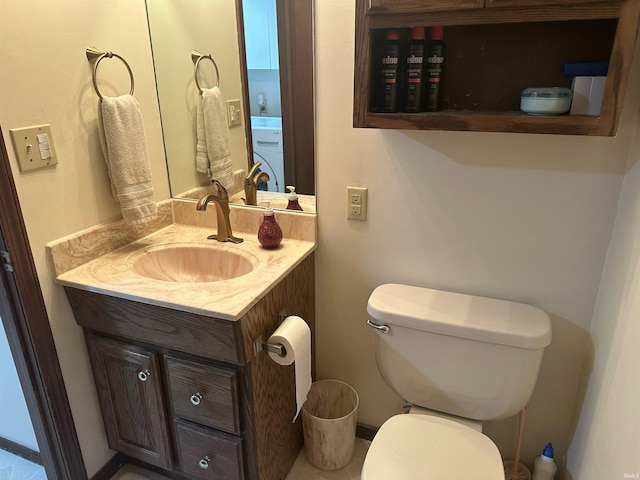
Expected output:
(302, 469)
(13, 467)
(131, 472)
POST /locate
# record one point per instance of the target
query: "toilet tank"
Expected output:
(465, 355)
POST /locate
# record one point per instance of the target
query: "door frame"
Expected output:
(28, 330)
(296, 54)
(296, 59)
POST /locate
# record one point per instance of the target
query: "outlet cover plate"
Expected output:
(357, 203)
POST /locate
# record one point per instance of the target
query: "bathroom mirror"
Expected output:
(217, 27)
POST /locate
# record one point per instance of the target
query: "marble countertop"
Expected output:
(111, 274)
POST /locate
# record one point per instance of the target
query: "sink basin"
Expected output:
(281, 200)
(278, 203)
(192, 263)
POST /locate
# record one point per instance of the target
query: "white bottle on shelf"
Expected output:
(544, 467)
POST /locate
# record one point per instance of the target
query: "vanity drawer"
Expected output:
(208, 454)
(204, 394)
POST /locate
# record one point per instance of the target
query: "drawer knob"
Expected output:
(143, 375)
(196, 398)
(204, 462)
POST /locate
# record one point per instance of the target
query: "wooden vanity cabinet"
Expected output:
(187, 393)
(494, 49)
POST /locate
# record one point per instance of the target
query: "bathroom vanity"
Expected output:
(182, 381)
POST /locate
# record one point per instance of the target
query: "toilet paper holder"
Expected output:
(259, 345)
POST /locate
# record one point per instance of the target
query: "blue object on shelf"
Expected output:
(586, 69)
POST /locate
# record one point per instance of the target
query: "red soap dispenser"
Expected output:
(293, 199)
(269, 233)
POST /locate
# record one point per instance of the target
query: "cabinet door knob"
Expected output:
(204, 462)
(196, 398)
(143, 375)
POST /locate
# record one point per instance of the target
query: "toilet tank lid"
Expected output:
(460, 315)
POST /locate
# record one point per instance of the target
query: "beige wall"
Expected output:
(45, 78)
(521, 217)
(607, 442)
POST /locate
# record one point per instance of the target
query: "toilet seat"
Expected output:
(422, 447)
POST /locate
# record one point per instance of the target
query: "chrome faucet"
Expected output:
(251, 184)
(221, 202)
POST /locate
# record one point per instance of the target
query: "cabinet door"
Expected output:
(400, 6)
(130, 392)
(261, 33)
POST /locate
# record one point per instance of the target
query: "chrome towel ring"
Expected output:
(196, 58)
(95, 56)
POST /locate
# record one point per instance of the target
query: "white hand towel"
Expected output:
(125, 150)
(202, 159)
(216, 131)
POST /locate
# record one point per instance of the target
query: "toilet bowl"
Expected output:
(459, 359)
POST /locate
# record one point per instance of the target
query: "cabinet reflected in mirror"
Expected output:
(273, 89)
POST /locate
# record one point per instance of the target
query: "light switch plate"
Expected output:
(25, 144)
(234, 115)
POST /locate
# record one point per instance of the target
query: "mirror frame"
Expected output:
(296, 58)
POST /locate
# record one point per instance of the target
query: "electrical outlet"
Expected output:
(234, 115)
(357, 203)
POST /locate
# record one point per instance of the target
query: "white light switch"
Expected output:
(24, 143)
(43, 146)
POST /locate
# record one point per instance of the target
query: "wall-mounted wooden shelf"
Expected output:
(494, 50)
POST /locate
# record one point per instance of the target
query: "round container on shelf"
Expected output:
(546, 100)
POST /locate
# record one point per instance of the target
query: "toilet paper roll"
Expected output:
(295, 335)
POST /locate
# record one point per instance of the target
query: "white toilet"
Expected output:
(458, 359)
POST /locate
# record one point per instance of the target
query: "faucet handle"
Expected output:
(253, 169)
(264, 176)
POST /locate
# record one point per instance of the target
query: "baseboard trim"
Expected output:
(110, 468)
(20, 450)
(365, 431)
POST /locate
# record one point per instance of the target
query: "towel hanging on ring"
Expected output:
(125, 150)
(212, 148)
(124, 146)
